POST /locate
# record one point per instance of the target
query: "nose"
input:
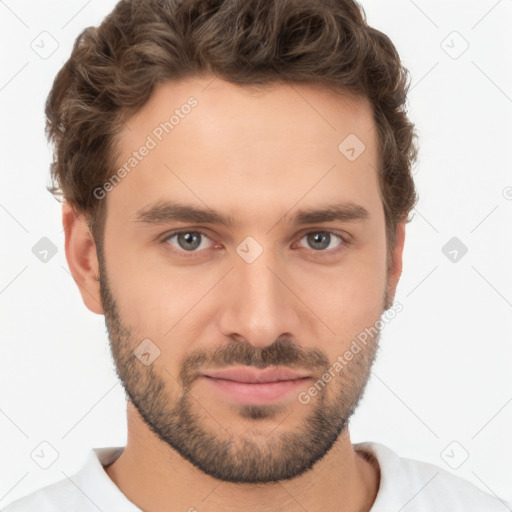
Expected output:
(258, 303)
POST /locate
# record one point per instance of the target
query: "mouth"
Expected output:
(254, 386)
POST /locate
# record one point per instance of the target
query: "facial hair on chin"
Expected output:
(182, 424)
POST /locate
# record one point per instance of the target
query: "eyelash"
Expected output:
(345, 241)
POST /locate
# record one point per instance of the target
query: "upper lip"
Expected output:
(255, 375)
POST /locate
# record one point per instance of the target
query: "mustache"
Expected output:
(282, 352)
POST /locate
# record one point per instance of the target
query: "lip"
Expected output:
(253, 386)
(255, 375)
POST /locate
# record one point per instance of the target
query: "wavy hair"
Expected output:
(113, 69)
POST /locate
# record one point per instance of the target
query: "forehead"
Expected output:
(209, 141)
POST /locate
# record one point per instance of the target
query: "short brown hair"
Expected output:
(113, 69)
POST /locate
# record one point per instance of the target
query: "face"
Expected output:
(243, 238)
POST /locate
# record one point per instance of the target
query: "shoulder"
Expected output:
(52, 498)
(88, 490)
(424, 487)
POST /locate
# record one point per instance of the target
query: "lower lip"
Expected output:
(256, 393)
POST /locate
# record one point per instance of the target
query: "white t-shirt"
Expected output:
(405, 485)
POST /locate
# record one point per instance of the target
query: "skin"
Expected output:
(258, 156)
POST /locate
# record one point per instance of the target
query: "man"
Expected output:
(237, 183)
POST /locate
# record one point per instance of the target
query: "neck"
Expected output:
(156, 478)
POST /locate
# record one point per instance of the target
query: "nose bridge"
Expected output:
(258, 306)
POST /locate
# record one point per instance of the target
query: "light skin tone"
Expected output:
(260, 158)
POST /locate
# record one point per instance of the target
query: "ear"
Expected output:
(82, 258)
(395, 263)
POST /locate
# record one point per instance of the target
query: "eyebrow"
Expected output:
(164, 212)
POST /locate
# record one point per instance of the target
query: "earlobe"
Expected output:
(82, 257)
(395, 264)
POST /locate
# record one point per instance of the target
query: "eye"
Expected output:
(320, 241)
(195, 241)
(188, 241)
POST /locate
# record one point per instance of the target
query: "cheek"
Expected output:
(169, 305)
(151, 300)
(347, 297)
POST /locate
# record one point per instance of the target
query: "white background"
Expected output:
(443, 373)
